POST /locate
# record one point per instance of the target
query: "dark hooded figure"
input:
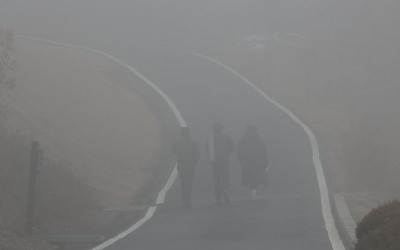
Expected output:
(252, 156)
(188, 153)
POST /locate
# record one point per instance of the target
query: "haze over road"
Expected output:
(288, 214)
(122, 26)
(152, 37)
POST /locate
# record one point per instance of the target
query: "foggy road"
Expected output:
(334, 62)
(288, 213)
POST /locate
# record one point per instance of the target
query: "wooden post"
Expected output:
(31, 186)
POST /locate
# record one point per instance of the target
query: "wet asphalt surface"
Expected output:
(287, 214)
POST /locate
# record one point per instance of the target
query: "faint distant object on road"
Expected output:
(261, 41)
(255, 42)
(289, 39)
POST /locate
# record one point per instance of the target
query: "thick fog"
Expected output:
(346, 52)
(334, 63)
(185, 23)
(349, 49)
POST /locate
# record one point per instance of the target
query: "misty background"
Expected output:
(342, 76)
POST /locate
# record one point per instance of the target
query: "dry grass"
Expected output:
(100, 142)
(14, 155)
(68, 100)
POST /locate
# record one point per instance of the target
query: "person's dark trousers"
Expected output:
(186, 177)
(221, 180)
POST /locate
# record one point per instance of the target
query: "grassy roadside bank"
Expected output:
(102, 137)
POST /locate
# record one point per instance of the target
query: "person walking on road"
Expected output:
(187, 152)
(252, 156)
(219, 147)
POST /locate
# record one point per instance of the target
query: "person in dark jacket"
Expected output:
(219, 147)
(252, 156)
(187, 152)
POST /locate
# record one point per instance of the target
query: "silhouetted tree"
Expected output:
(7, 60)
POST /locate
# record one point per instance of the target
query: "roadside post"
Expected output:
(35, 161)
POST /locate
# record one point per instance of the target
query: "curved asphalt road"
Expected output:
(288, 214)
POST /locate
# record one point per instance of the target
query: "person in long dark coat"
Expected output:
(219, 147)
(252, 155)
(188, 153)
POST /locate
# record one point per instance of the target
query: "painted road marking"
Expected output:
(333, 234)
(330, 226)
(161, 196)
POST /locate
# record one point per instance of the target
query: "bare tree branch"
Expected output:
(7, 60)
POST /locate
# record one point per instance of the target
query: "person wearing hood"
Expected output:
(252, 155)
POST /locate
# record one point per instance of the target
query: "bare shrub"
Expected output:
(380, 229)
(386, 237)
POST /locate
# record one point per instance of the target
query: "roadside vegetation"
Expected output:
(56, 95)
(13, 163)
(7, 60)
(380, 229)
(64, 203)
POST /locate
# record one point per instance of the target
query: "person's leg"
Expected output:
(188, 190)
(253, 189)
(183, 184)
(217, 183)
(254, 177)
(225, 182)
(186, 178)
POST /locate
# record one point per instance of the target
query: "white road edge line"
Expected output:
(161, 196)
(336, 241)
